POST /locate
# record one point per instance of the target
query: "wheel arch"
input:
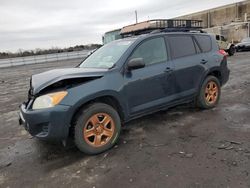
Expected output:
(212, 72)
(216, 73)
(107, 98)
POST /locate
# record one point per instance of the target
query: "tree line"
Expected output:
(38, 51)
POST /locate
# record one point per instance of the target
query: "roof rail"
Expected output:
(194, 30)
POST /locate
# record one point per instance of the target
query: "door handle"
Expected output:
(203, 61)
(168, 70)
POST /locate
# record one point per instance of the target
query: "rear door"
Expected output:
(189, 64)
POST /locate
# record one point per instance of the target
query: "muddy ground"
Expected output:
(181, 147)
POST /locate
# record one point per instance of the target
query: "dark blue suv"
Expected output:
(123, 80)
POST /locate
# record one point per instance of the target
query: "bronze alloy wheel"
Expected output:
(211, 92)
(99, 129)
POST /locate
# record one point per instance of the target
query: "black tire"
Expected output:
(82, 120)
(202, 100)
(231, 51)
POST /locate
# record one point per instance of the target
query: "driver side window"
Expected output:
(152, 51)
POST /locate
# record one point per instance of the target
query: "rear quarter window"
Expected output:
(181, 46)
(204, 42)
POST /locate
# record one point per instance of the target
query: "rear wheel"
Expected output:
(97, 128)
(209, 94)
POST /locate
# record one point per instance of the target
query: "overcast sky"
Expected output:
(30, 24)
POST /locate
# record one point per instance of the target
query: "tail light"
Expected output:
(224, 59)
(222, 52)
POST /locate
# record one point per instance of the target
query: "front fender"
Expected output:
(86, 99)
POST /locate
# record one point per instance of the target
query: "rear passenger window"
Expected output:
(152, 51)
(181, 46)
(204, 42)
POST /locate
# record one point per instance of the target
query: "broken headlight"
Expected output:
(49, 100)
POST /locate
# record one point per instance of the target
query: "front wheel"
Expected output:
(97, 128)
(209, 94)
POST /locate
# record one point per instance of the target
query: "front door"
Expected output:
(150, 86)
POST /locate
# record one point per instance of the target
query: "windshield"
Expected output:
(246, 40)
(107, 55)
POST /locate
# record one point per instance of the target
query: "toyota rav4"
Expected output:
(123, 80)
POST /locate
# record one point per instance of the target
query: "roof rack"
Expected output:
(162, 25)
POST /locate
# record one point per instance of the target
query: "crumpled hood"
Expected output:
(42, 80)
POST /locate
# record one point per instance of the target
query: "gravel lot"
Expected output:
(181, 147)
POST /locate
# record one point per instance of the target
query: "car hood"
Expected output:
(45, 79)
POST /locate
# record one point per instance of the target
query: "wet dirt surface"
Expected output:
(181, 147)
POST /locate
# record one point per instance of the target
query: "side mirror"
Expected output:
(135, 63)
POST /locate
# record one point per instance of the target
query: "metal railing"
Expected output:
(42, 58)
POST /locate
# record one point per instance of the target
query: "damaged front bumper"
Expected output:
(46, 124)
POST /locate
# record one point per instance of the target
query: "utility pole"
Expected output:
(136, 19)
(236, 10)
(248, 35)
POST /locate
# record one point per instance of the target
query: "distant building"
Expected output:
(232, 20)
(111, 35)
